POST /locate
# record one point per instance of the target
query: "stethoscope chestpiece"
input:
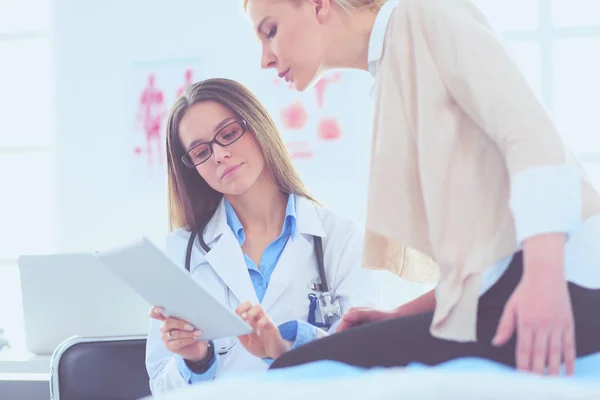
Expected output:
(226, 349)
(330, 310)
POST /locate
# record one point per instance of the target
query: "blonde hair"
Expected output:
(347, 5)
(192, 202)
(354, 5)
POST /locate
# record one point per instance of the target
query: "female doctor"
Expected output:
(250, 233)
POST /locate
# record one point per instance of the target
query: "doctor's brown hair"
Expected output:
(192, 202)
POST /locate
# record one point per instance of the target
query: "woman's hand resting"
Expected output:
(357, 316)
(539, 310)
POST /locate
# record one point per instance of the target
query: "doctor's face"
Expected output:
(292, 36)
(234, 166)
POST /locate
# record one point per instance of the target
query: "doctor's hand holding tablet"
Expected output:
(181, 337)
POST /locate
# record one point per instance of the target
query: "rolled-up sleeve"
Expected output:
(546, 200)
(300, 332)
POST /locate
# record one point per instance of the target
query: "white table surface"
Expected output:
(19, 365)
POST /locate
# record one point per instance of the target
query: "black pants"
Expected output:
(400, 341)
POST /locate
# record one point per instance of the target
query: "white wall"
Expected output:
(96, 44)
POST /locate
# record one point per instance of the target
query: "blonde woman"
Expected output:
(468, 169)
(249, 232)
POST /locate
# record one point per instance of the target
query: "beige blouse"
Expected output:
(455, 121)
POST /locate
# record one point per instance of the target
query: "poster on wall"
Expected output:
(326, 129)
(155, 85)
(303, 118)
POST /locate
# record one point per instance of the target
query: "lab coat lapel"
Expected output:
(227, 259)
(296, 256)
(293, 259)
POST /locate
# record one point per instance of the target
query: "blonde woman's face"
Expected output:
(292, 39)
(231, 169)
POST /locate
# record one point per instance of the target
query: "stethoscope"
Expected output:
(223, 348)
(329, 307)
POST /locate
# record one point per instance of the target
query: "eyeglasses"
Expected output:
(226, 136)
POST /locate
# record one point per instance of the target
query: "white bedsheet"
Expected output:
(398, 383)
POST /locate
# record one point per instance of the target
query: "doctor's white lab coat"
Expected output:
(224, 273)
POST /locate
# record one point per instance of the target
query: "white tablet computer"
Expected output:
(159, 281)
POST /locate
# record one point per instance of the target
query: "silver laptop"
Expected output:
(74, 294)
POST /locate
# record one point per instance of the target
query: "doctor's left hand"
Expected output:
(265, 341)
(180, 337)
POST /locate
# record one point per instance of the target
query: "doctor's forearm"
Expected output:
(423, 303)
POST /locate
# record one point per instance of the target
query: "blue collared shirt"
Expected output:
(300, 332)
(261, 274)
